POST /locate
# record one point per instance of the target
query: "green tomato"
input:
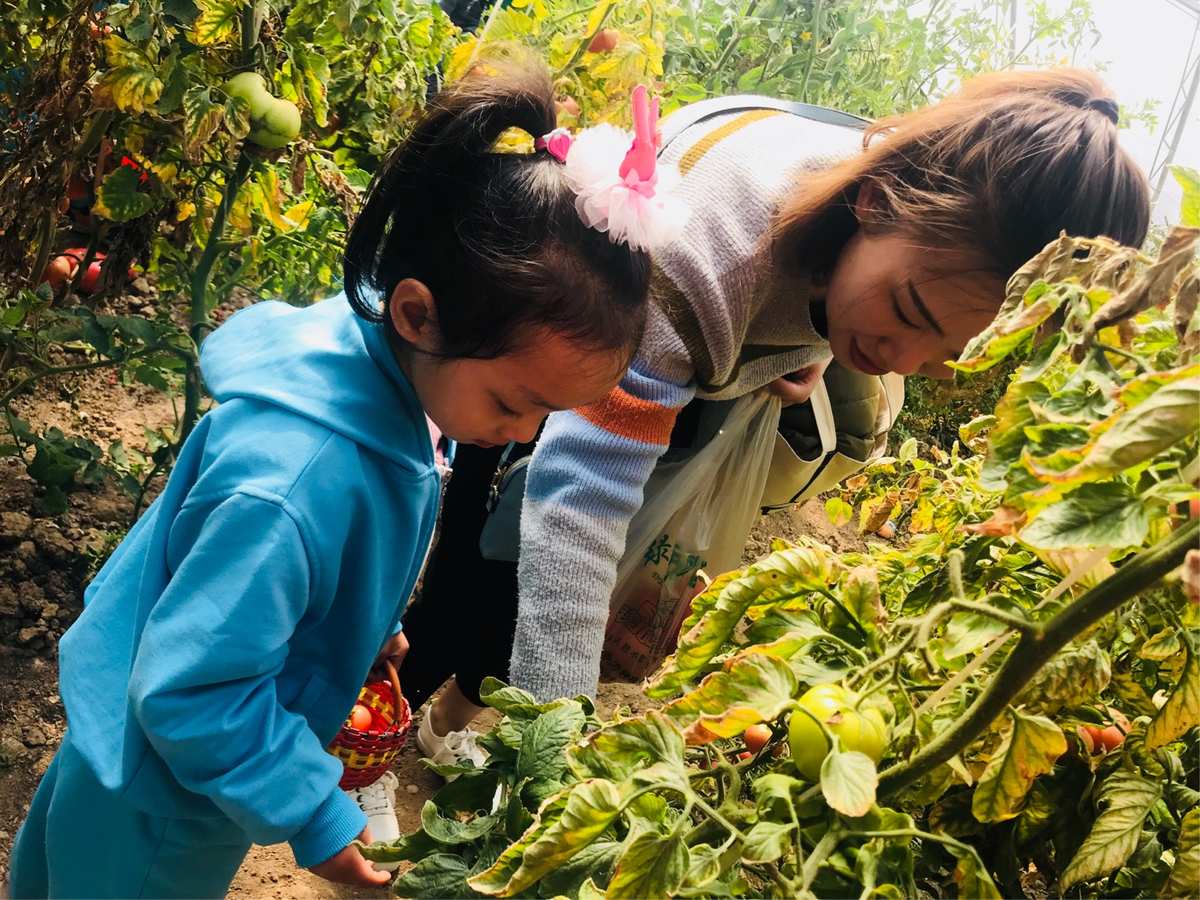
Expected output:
(279, 125)
(862, 729)
(274, 122)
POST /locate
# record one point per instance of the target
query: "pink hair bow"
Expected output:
(621, 186)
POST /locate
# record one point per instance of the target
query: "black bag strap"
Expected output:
(694, 113)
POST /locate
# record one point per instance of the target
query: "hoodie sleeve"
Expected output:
(203, 684)
(584, 485)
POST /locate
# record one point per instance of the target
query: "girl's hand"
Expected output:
(394, 649)
(348, 866)
(798, 386)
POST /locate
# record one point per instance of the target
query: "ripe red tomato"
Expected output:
(360, 717)
(745, 755)
(605, 41)
(567, 106)
(58, 272)
(756, 737)
(1101, 740)
(91, 278)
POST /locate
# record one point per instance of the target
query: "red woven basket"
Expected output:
(366, 755)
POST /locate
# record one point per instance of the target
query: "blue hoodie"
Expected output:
(223, 643)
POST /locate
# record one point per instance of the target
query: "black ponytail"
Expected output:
(494, 236)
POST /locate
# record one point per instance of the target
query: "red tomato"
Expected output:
(360, 717)
(605, 41)
(1101, 740)
(567, 106)
(91, 278)
(58, 272)
(745, 755)
(756, 737)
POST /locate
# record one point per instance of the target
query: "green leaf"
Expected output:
(654, 865)
(409, 847)
(755, 688)
(1189, 207)
(767, 841)
(704, 866)
(121, 198)
(1109, 514)
(216, 22)
(200, 119)
(1182, 709)
(594, 861)
(440, 875)
(839, 511)
(971, 875)
(453, 831)
(564, 826)
(620, 749)
(848, 781)
(1185, 874)
(1028, 748)
(717, 611)
(860, 595)
(966, 632)
(510, 701)
(1125, 800)
(1162, 645)
(544, 742)
(131, 81)
(469, 792)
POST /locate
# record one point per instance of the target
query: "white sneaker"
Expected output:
(378, 802)
(456, 748)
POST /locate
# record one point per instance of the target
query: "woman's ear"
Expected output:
(414, 315)
(867, 204)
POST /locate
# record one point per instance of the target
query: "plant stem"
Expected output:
(45, 237)
(1031, 653)
(732, 45)
(1021, 624)
(812, 56)
(212, 248)
(585, 43)
(16, 389)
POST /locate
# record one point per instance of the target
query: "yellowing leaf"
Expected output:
(216, 22)
(298, 213)
(1185, 874)
(131, 83)
(621, 748)
(184, 210)
(848, 782)
(564, 826)
(654, 865)
(756, 688)
(1028, 748)
(121, 198)
(201, 116)
(1124, 800)
(1182, 709)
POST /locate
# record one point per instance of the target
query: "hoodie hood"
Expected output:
(325, 363)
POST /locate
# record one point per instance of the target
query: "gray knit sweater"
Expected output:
(721, 324)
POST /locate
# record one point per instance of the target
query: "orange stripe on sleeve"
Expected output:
(627, 416)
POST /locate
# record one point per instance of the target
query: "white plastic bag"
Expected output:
(697, 515)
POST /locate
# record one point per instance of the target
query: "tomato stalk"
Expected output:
(1033, 652)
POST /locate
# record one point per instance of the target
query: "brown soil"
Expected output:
(46, 561)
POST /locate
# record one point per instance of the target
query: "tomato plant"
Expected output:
(1029, 643)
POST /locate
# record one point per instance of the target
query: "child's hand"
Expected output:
(394, 650)
(798, 387)
(348, 866)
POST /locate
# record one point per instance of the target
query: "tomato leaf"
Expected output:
(564, 826)
(617, 750)
(653, 865)
(1185, 874)
(131, 82)
(1073, 676)
(594, 861)
(1182, 709)
(767, 841)
(1028, 748)
(544, 742)
(121, 199)
(1125, 800)
(971, 875)
(848, 781)
(755, 688)
(439, 875)
(453, 831)
(216, 22)
(1109, 514)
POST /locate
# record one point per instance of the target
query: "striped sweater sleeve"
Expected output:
(583, 487)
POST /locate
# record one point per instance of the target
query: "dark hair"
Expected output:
(494, 236)
(999, 168)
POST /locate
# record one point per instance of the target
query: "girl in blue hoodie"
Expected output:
(223, 643)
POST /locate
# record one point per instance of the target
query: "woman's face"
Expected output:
(894, 306)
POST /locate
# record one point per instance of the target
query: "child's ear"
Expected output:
(414, 315)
